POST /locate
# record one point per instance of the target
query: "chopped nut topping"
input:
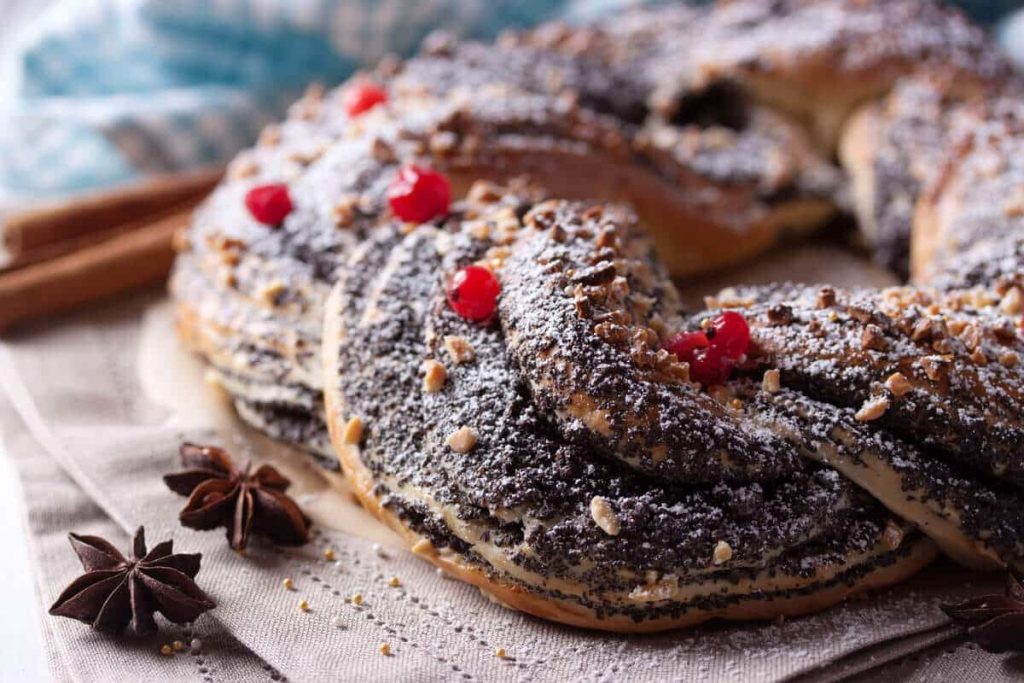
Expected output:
(344, 211)
(892, 536)
(382, 151)
(979, 357)
(722, 553)
(271, 294)
(600, 274)
(500, 653)
(434, 376)
(422, 546)
(357, 599)
(873, 338)
(826, 297)
(1012, 301)
(1009, 359)
(612, 333)
(898, 384)
(780, 314)
(736, 404)
(394, 582)
(484, 192)
(461, 440)
(771, 382)
(459, 349)
(384, 649)
(861, 315)
(603, 515)
(353, 432)
(872, 409)
(243, 167)
(922, 330)
(933, 367)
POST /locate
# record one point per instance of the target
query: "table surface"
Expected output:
(22, 656)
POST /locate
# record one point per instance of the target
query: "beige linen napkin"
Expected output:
(91, 449)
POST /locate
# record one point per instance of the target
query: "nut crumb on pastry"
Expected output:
(722, 553)
(461, 440)
(898, 384)
(872, 409)
(603, 515)
(459, 349)
(434, 376)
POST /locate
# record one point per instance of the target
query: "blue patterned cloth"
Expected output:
(106, 90)
(109, 89)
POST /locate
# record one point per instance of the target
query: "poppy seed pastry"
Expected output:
(541, 523)
(452, 280)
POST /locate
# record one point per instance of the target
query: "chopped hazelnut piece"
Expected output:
(603, 515)
(422, 546)
(892, 536)
(243, 167)
(353, 432)
(271, 294)
(344, 211)
(898, 384)
(932, 366)
(1009, 359)
(382, 151)
(384, 649)
(722, 553)
(873, 338)
(720, 393)
(1011, 302)
(979, 357)
(500, 653)
(459, 349)
(434, 376)
(461, 440)
(771, 381)
(872, 409)
(826, 297)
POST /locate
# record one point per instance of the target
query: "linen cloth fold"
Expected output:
(91, 446)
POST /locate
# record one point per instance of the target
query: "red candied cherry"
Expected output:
(731, 334)
(269, 204)
(361, 97)
(419, 194)
(710, 366)
(683, 344)
(473, 293)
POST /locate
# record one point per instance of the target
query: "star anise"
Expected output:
(242, 501)
(994, 622)
(116, 591)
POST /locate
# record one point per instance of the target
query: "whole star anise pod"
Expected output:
(994, 622)
(116, 590)
(244, 502)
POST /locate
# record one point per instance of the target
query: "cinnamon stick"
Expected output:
(124, 262)
(47, 252)
(40, 228)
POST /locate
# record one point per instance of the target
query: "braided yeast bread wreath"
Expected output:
(554, 453)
